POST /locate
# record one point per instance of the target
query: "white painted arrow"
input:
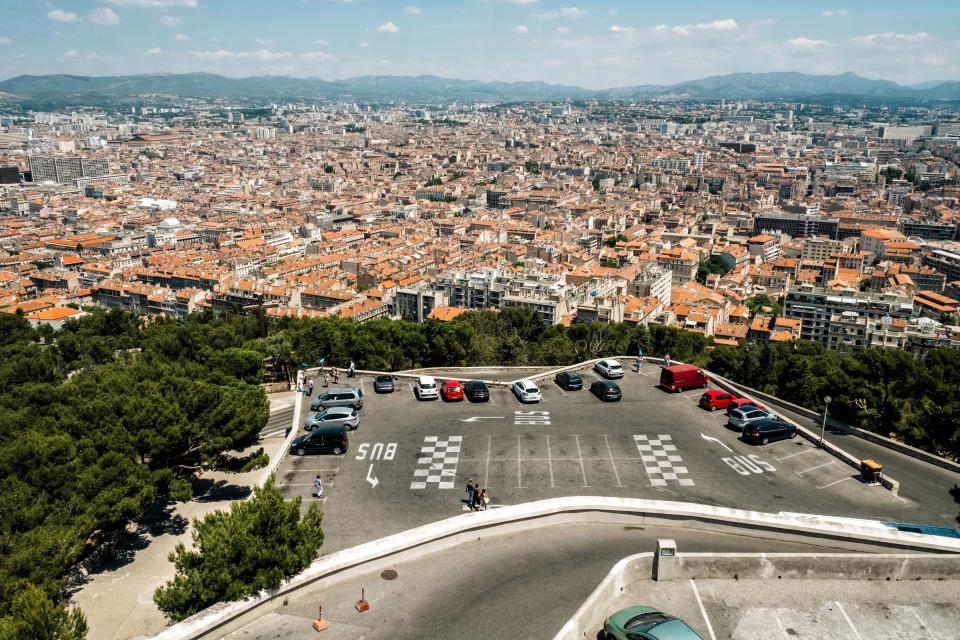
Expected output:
(373, 481)
(706, 437)
(475, 418)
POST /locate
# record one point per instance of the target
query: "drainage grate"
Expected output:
(388, 574)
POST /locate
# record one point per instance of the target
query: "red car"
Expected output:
(451, 390)
(716, 399)
(738, 403)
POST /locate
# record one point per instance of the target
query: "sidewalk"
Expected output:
(118, 599)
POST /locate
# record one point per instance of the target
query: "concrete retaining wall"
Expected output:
(226, 617)
(588, 619)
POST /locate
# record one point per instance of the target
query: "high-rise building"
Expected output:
(66, 169)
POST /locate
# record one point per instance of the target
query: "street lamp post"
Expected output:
(823, 426)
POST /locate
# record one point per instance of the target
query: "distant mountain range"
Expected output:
(777, 85)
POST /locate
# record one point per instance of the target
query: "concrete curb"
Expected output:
(458, 529)
(637, 568)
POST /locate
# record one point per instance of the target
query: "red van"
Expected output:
(683, 376)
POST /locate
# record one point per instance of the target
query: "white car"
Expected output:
(609, 369)
(426, 387)
(526, 391)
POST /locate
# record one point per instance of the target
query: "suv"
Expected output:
(763, 431)
(425, 387)
(740, 418)
(321, 440)
(609, 368)
(333, 417)
(606, 390)
(346, 397)
(526, 391)
(569, 380)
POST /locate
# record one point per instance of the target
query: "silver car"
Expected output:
(740, 418)
(333, 417)
(609, 368)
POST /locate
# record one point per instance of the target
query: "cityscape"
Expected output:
(240, 255)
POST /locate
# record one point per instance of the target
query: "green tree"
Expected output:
(33, 616)
(613, 240)
(531, 166)
(433, 182)
(610, 264)
(713, 264)
(254, 546)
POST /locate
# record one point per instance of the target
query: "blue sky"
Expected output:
(595, 44)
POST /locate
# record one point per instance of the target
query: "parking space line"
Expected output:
(825, 464)
(616, 474)
(703, 610)
(798, 453)
(583, 469)
(519, 480)
(830, 484)
(923, 624)
(550, 464)
(849, 621)
(486, 468)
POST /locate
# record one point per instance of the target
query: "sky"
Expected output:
(590, 43)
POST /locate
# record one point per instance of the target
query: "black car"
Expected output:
(606, 390)
(476, 391)
(764, 431)
(321, 440)
(569, 380)
(383, 384)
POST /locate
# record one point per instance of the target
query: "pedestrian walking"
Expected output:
(352, 369)
(666, 359)
(310, 386)
(336, 375)
(477, 498)
(318, 483)
(470, 492)
(326, 379)
(485, 500)
(639, 363)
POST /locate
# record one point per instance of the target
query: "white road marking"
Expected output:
(583, 469)
(923, 624)
(550, 464)
(849, 621)
(562, 392)
(798, 453)
(486, 469)
(830, 484)
(703, 610)
(825, 464)
(613, 464)
(519, 481)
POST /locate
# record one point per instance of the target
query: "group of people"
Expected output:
(332, 374)
(477, 498)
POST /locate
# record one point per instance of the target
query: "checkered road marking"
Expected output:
(661, 460)
(437, 463)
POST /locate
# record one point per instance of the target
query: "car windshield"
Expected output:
(384, 379)
(573, 377)
(427, 385)
(647, 621)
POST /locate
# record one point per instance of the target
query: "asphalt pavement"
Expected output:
(409, 461)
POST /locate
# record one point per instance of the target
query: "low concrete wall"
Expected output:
(588, 619)
(226, 617)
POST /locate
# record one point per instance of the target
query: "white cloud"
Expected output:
(888, 38)
(71, 54)
(388, 27)
(563, 31)
(263, 42)
(155, 51)
(322, 42)
(170, 21)
(628, 30)
(520, 28)
(807, 43)
(934, 59)
(63, 16)
(4, 40)
(364, 43)
(181, 37)
(831, 13)
(413, 11)
(153, 4)
(104, 16)
(717, 25)
(565, 12)
(521, 1)
(261, 55)
(317, 56)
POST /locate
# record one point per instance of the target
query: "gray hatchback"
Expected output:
(345, 397)
(333, 417)
(739, 418)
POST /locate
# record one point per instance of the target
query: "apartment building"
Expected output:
(796, 225)
(819, 308)
(944, 261)
(66, 169)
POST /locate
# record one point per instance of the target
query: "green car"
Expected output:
(646, 623)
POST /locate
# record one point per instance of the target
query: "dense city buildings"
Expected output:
(704, 215)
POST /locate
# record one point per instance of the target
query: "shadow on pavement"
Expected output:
(208, 490)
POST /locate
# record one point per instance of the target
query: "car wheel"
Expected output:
(301, 451)
(354, 407)
(713, 407)
(337, 451)
(793, 434)
(765, 441)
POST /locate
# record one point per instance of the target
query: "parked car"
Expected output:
(737, 403)
(383, 384)
(646, 623)
(344, 397)
(476, 391)
(321, 440)
(606, 390)
(425, 388)
(608, 368)
(526, 391)
(715, 399)
(569, 380)
(451, 390)
(740, 418)
(764, 431)
(333, 417)
(683, 376)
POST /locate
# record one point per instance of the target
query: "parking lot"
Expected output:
(409, 461)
